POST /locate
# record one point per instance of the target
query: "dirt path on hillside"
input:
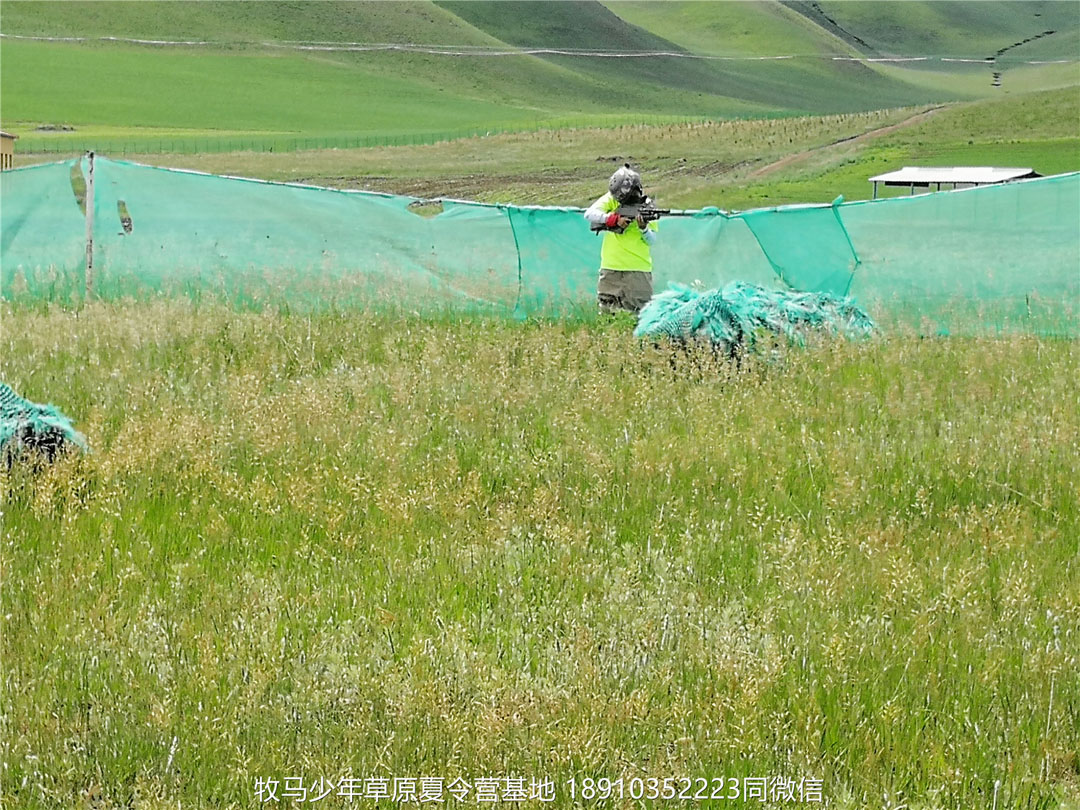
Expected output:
(768, 169)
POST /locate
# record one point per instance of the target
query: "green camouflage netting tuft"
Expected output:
(25, 425)
(735, 315)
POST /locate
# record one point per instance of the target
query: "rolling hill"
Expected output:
(299, 69)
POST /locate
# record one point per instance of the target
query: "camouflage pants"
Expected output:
(628, 290)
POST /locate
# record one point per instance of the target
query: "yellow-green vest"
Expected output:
(627, 250)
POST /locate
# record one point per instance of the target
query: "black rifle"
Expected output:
(646, 210)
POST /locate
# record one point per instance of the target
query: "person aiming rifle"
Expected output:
(627, 219)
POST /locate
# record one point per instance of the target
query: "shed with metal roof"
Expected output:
(958, 176)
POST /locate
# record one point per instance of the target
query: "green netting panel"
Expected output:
(558, 272)
(708, 252)
(42, 232)
(252, 241)
(1003, 257)
(560, 256)
(807, 246)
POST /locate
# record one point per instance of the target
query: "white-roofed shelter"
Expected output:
(959, 176)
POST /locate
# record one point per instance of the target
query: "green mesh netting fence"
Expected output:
(1003, 257)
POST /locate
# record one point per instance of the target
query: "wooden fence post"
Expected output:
(90, 227)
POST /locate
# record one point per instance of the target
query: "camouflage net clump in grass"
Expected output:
(738, 314)
(25, 425)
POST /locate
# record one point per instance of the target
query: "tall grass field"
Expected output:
(362, 551)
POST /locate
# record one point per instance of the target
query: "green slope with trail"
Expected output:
(973, 29)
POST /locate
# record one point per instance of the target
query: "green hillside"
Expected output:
(256, 92)
(240, 22)
(804, 85)
(252, 79)
(730, 29)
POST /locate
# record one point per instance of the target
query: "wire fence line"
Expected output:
(512, 50)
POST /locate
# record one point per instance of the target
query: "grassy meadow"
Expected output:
(358, 545)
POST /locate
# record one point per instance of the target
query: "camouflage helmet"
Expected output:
(625, 185)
